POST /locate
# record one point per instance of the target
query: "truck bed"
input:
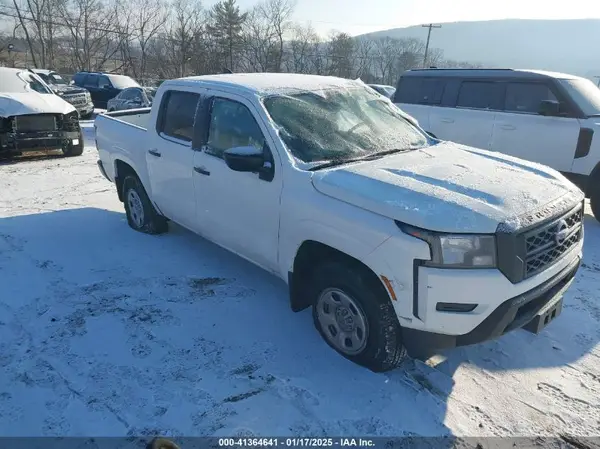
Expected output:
(122, 135)
(137, 117)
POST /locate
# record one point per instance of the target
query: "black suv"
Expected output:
(103, 86)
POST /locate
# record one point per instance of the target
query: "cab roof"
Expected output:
(268, 83)
(482, 73)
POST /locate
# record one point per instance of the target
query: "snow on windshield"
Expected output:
(122, 81)
(340, 124)
(585, 93)
(21, 82)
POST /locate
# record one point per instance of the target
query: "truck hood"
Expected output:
(66, 89)
(12, 104)
(449, 188)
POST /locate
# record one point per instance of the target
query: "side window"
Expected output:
(526, 97)
(232, 125)
(178, 114)
(479, 95)
(413, 90)
(123, 95)
(136, 95)
(103, 81)
(91, 81)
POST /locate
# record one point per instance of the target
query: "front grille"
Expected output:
(35, 123)
(76, 99)
(545, 244)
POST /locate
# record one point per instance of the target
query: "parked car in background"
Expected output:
(397, 240)
(33, 118)
(132, 98)
(103, 86)
(79, 97)
(545, 117)
(387, 91)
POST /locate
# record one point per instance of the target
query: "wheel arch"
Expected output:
(122, 169)
(309, 255)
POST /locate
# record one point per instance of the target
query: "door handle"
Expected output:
(202, 171)
(447, 120)
(508, 127)
(154, 153)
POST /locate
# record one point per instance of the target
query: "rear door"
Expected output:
(520, 130)
(469, 112)
(170, 158)
(91, 84)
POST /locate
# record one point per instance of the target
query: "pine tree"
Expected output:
(225, 27)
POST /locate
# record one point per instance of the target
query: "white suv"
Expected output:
(396, 240)
(545, 117)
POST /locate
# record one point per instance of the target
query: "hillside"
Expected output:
(570, 46)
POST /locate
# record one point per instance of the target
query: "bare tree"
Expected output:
(94, 38)
(183, 28)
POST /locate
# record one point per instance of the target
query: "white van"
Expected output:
(544, 117)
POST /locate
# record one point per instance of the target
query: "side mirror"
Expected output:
(245, 159)
(549, 108)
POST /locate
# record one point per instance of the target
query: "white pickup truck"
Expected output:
(399, 242)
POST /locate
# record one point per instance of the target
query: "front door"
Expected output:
(170, 158)
(237, 210)
(522, 132)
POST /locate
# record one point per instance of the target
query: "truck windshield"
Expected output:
(23, 82)
(340, 124)
(585, 93)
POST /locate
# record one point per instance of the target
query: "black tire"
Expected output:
(74, 150)
(87, 116)
(148, 221)
(384, 350)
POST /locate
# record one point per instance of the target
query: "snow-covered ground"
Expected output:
(105, 331)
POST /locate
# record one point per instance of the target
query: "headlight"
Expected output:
(456, 250)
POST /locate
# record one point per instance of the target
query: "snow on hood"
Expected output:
(448, 188)
(32, 103)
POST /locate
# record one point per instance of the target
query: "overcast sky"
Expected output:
(363, 16)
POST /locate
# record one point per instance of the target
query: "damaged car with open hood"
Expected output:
(33, 118)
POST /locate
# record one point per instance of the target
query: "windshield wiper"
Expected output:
(369, 157)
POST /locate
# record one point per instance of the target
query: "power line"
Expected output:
(430, 26)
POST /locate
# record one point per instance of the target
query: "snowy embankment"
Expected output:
(105, 331)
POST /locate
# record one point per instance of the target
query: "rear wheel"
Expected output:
(141, 214)
(354, 315)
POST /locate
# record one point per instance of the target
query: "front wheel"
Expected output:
(595, 202)
(141, 215)
(354, 315)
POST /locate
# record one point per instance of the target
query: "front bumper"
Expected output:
(85, 109)
(515, 313)
(35, 141)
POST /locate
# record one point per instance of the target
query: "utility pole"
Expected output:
(430, 26)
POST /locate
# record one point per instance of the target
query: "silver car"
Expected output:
(132, 98)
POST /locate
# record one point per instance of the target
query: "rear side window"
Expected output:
(413, 90)
(526, 97)
(479, 95)
(178, 111)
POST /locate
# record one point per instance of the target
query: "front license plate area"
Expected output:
(545, 316)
